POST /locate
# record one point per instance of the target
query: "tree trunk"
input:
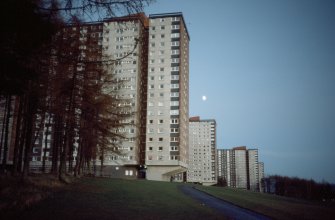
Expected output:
(17, 137)
(5, 146)
(3, 125)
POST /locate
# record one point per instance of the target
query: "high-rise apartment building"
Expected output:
(202, 151)
(261, 176)
(150, 57)
(125, 40)
(239, 167)
(253, 169)
(167, 106)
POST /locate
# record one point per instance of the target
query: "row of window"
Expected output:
(160, 157)
(159, 104)
(161, 86)
(172, 112)
(173, 35)
(173, 94)
(161, 130)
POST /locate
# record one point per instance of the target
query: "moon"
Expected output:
(204, 98)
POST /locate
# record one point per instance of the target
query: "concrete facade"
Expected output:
(239, 168)
(167, 103)
(202, 152)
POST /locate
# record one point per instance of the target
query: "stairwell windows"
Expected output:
(175, 19)
(174, 148)
(175, 43)
(174, 94)
(174, 112)
(174, 103)
(175, 60)
(174, 86)
(175, 35)
(175, 68)
(174, 130)
(174, 77)
(175, 52)
(173, 157)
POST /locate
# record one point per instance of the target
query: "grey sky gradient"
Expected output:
(267, 68)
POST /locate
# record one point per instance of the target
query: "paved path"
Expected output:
(227, 209)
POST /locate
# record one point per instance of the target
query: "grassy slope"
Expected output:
(119, 199)
(274, 206)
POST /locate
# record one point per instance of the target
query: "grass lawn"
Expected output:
(274, 206)
(103, 198)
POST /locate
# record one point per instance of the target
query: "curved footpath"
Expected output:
(227, 209)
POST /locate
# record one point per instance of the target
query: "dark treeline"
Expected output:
(302, 188)
(48, 86)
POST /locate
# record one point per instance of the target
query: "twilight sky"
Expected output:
(267, 68)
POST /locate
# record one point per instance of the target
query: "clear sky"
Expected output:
(267, 68)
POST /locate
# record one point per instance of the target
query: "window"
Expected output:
(174, 112)
(175, 27)
(162, 35)
(153, 28)
(150, 130)
(152, 36)
(161, 86)
(160, 121)
(175, 19)
(151, 121)
(175, 35)
(161, 60)
(174, 86)
(174, 94)
(160, 104)
(162, 44)
(175, 60)
(175, 52)
(161, 94)
(161, 20)
(150, 104)
(152, 70)
(151, 95)
(174, 148)
(174, 77)
(152, 78)
(174, 139)
(152, 45)
(160, 113)
(152, 61)
(173, 157)
(162, 27)
(174, 130)
(132, 131)
(175, 43)
(175, 68)
(161, 77)
(160, 157)
(174, 103)
(151, 86)
(161, 69)
(160, 130)
(150, 139)
(160, 148)
(160, 139)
